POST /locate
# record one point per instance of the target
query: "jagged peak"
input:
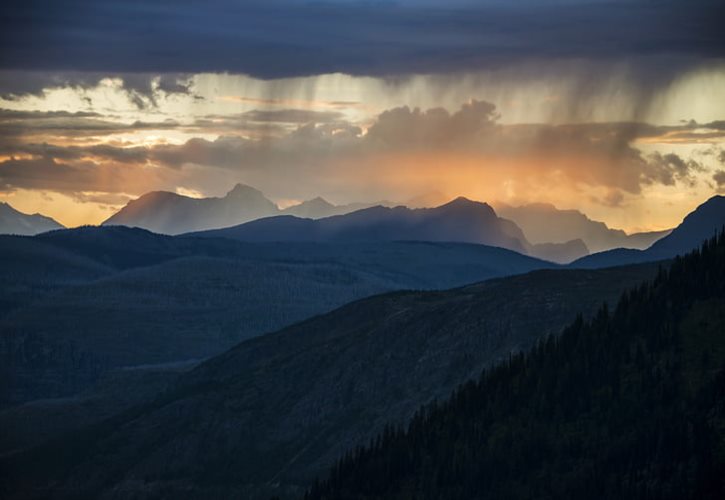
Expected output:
(463, 202)
(318, 200)
(240, 189)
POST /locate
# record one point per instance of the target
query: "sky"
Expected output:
(615, 108)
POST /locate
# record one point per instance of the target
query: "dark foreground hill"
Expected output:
(274, 412)
(629, 404)
(77, 303)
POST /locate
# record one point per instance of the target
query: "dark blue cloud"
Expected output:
(279, 38)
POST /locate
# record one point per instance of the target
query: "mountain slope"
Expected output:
(702, 223)
(170, 213)
(544, 223)
(626, 405)
(77, 303)
(279, 409)
(705, 221)
(14, 222)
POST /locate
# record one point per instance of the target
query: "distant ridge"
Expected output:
(544, 223)
(13, 221)
(165, 212)
(319, 207)
(460, 220)
(171, 213)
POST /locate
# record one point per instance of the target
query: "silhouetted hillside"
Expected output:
(76, 303)
(275, 411)
(629, 404)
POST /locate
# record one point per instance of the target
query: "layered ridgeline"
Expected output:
(15, 222)
(460, 220)
(704, 222)
(629, 404)
(77, 303)
(170, 213)
(276, 411)
(544, 223)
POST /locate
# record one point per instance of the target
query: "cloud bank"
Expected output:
(332, 151)
(276, 39)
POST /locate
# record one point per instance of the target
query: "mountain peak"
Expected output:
(465, 203)
(320, 199)
(240, 190)
(13, 221)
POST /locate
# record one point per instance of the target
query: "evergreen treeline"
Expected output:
(629, 404)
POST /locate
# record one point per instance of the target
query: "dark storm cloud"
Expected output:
(668, 168)
(403, 127)
(16, 115)
(48, 174)
(278, 38)
(136, 154)
(75, 177)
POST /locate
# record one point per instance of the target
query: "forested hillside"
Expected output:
(629, 404)
(270, 415)
(77, 303)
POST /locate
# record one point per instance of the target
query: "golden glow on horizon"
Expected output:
(65, 209)
(216, 103)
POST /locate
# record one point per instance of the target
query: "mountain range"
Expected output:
(542, 230)
(460, 220)
(72, 297)
(90, 313)
(15, 222)
(553, 234)
(170, 213)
